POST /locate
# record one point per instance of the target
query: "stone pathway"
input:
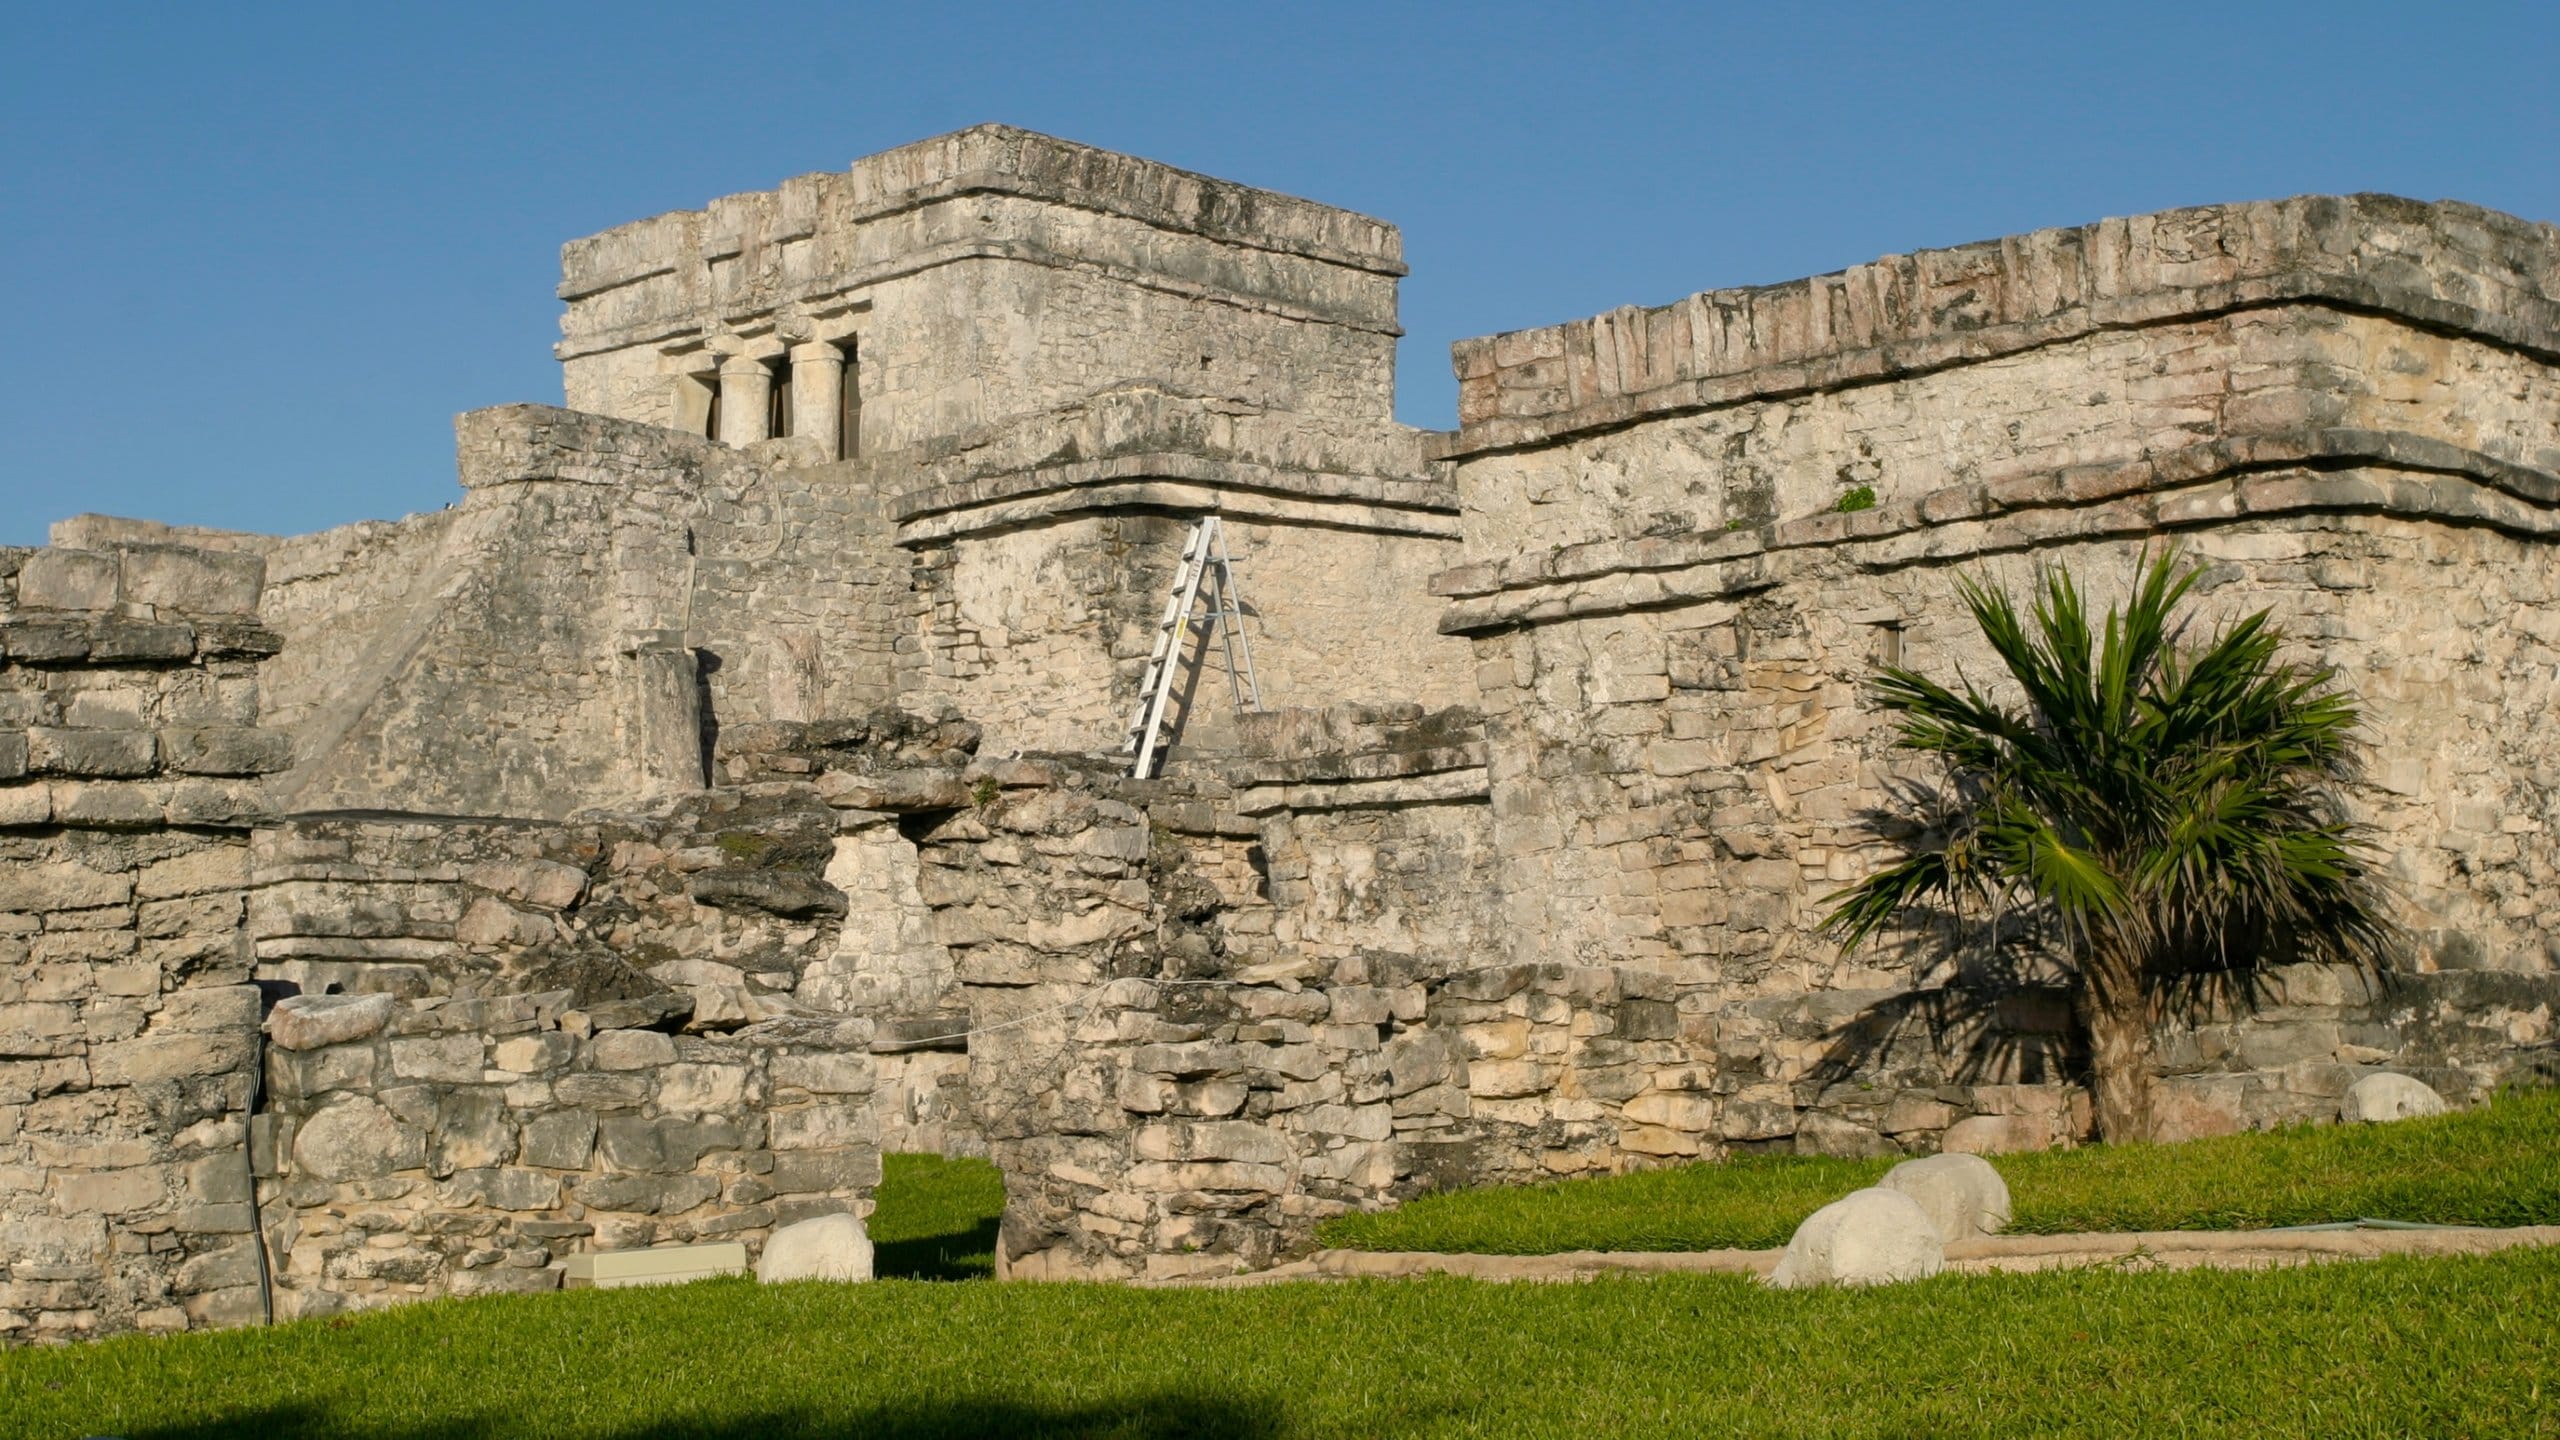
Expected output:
(2132, 1250)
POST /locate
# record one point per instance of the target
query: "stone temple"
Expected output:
(730, 785)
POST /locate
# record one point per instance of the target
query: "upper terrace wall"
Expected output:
(2296, 378)
(989, 274)
(2444, 266)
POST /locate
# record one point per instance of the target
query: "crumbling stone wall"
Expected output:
(1170, 1093)
(605, 597)
(459, 1147)
(2445, 266)
(129, 757)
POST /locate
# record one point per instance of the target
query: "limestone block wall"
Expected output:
(2299, 376)
(1165, 1102)
(1171, 1092)
(1043, 631)
(1682, 761)
(771, 897)
(130, 757)
(989, 274)
(1730, 736)
(1376, 833)
(606, 596)
(712, 906)
(1044, 552)
(2447, 267)
(472, 1146)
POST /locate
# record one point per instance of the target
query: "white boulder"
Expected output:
(1964, 1196)
(2390, 1096)
(1868, 1237)
(830, 1247)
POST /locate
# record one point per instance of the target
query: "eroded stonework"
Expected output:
(728, 787)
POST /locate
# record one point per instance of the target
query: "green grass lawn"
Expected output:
(2465, 1347)
(2496, 1165)
(935, 1218)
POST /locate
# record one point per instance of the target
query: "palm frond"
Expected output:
(2179, 797)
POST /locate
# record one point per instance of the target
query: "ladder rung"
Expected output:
(1204, 556)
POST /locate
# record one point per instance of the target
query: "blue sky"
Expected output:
(261, 254)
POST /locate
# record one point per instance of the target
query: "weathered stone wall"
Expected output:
(1376, 833)
(1042, 632)
(605, 596)
(2344, 408)
(2445, 266)
(2282, 373)
(1045, 550)
(1180, 1073)
(1731, 737)
(463, 1147)
(129, 757)
(989, 274)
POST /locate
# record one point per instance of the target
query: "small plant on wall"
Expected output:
(1850, 502)
(2171, 805)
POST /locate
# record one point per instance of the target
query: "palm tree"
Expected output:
(2168, 808)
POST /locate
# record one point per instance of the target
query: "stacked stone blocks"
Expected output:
(129, 757)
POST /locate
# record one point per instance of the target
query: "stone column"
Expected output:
(746, 399)
(666, 724)
(817, 394)
(692, 389)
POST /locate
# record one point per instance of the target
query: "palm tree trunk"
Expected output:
(2115, 1007)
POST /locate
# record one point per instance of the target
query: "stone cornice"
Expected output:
(2335, 471)
(847, 285)
(1000, 159)
(2484, 275)
(1240, 489)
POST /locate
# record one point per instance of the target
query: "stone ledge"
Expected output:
(1230, 472)
(2071, 485)
(392, 948)
(49, 639)
(1971, 523)
(848, 283)
(1194, 484)
(141, 580)
(1437, 787)
(193, 802)
(1361, 766)
(1189, 498)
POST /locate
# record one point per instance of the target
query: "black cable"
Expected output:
(249, 1162)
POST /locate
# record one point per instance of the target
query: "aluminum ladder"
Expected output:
(1204, 557)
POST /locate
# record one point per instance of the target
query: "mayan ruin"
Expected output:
(835, 730)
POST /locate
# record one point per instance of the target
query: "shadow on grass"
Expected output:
(1154, 1417)
(968, 1254)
